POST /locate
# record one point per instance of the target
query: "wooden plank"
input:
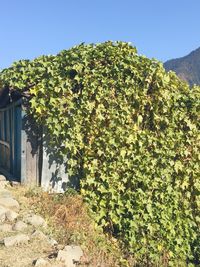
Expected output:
(30, 151)
(31, 163)
(17, 137)
(23, 151)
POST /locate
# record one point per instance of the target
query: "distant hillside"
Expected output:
(187, 68)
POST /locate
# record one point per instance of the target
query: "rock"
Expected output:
(2, 178)
(11, 215)
(16, 240)
(14, 183)
(70, 255)
(3, 211)
(9, 202)
(6, 227)
(52, 242)
(3, 184)
(19, 226)
(5, 193)
(35, 220)
(3, 181)
(40, 262)
(39, 234)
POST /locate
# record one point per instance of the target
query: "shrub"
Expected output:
(131, 131)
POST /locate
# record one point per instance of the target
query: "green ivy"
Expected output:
(132, 130)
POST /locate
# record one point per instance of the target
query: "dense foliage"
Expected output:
(132, 131)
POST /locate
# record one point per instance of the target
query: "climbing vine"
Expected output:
(132, 131)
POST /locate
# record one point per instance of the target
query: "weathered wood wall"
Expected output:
(25, 152)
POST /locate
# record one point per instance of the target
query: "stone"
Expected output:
(16, 240)
(40, 262)
(52, 242)
(3, 181)
(2, 178)
(14, 183)
(11, 215)
(6, 227)
(39, 234)
(35, 220)
(3, 211)
(5, 193)
(9, 202)
(3, 184)
(19, 226)
(70, 255)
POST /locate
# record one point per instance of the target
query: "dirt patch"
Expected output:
(23, 256)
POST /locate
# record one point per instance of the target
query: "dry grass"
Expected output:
(70, 223)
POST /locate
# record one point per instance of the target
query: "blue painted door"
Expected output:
(10, 139)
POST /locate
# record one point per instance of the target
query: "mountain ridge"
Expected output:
(186, 67)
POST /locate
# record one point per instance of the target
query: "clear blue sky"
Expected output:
(162, 29)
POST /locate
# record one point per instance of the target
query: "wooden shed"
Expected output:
(24, 152)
